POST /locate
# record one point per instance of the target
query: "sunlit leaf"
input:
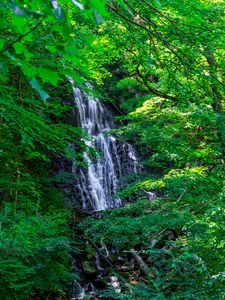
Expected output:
(19, 48)
(48, 75)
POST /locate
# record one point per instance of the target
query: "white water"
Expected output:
(99, 184)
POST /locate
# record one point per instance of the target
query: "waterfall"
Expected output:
(99, 183)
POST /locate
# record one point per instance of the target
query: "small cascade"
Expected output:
(99, 183)
(78, 291)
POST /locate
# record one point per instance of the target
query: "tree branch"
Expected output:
(22, 36)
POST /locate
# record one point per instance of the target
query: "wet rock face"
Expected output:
(94, 266)
(95, 187)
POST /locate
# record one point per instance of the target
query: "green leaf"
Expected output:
(48, 76)
(35, 85)
(52, 49)
(19, 24)
(28, 55)
(19, 48)
(2, 43)
(100, 7)
(29, 70)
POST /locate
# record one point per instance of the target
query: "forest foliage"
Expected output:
(161, 64)
(166, 75)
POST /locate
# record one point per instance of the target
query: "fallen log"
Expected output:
(143, 266)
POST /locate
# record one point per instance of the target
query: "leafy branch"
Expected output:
(22, 36)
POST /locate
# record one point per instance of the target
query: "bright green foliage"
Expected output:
(185, 134)
(166, 74)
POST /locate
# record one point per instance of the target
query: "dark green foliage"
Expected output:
(36, 125)
(35, 242)
(34, 254)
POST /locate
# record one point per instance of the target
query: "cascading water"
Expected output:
(99, 183)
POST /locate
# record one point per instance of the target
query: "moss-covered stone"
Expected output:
(89, 267)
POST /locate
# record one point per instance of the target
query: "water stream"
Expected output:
(99, 183)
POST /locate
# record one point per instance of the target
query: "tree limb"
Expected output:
(22, 36)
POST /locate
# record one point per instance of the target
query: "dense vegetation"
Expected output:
(161, 64)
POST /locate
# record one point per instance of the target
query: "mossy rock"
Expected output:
(89, 267)
(91, 252)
